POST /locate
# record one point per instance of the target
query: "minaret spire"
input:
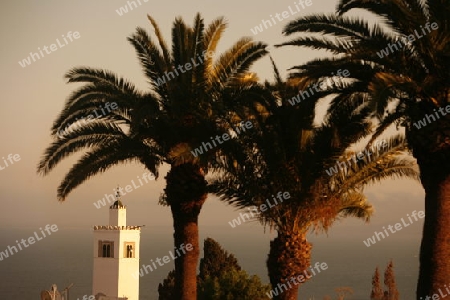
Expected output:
(118, 202)
(117, 192)
(116, 255)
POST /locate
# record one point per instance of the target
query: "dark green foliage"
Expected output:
(167, 288)
(216, 260)
(221, 278)
(231, 285)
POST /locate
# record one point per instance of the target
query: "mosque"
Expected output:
(116, 258)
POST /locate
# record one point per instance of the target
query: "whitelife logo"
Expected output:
(124, 9)
(11, 158)
(86, 297)
(397, 226)
(342, 164)
(430, 118)
(280, 17)
(83, 121)
(147, 177)
(262, 208)
(197, 151)
(31, 240)
(165, 260)
(436, 296)
(301, 278)
(187, 67)
(34, 56)
(407, 39)
(322, 87)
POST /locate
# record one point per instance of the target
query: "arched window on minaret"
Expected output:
(106, 249)
(129, 250)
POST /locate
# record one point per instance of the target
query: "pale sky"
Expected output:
(33, 96)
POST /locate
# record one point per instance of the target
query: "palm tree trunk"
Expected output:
(186, 193)
(434, 271)
(289, 257)
(185, 225)
(430, 147)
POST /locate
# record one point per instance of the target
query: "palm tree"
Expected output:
(288, 153)
(400, 66)
(189, 101)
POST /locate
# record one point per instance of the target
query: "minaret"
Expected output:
(116, 256)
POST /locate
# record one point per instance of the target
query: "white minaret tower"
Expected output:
(116, 257)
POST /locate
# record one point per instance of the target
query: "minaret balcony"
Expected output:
(115, 227)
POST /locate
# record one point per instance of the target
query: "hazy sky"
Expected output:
(33, 96)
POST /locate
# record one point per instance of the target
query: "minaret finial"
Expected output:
(118, 203)
(117, 193)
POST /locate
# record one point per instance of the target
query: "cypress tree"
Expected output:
(389, 281)
(377, 291)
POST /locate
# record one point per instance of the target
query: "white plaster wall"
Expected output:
(118, 216)
(113, 276)
(129, 285)
(106, 270)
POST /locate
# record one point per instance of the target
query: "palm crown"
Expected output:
(151, 126)
(400, 67)
(191, 98)
(287, 152)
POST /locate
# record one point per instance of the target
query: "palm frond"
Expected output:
(93, 135)
(100, 159)
(91, 106)
(161, 41)
(389, 11)
(355, 204)
(212, 37)
(334, 25)
(388, 160)
(90, 75)
(153, 63)
(335, 46)
(235, 61)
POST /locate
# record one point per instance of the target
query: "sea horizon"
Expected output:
(67, 258)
